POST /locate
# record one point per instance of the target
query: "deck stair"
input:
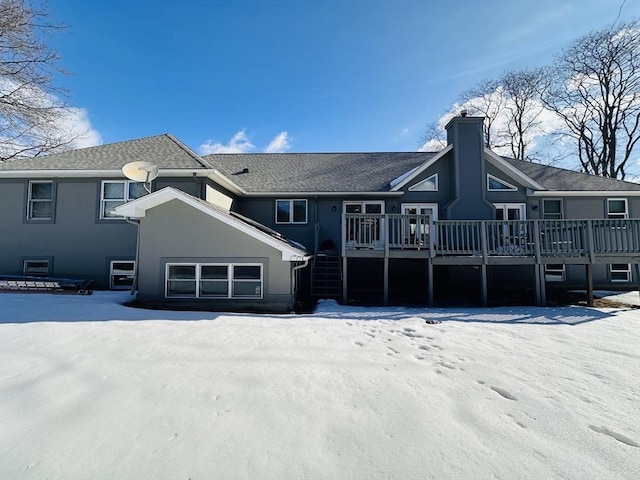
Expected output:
(326, 276)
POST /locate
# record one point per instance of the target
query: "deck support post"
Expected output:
(344, 280)
(385, 291)
(483, 282)
(543, 286)
(589, 271)
(540, 287)
(430, 283)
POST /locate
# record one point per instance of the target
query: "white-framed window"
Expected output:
(291, 211)
(114, 193)
(617, 208)
(415, 230)
(554, 272)
(40, 200)
(510, 211)
(121, 274)
(429, 184)
(36, 268)
(214, 280)
(495, 184)
(620, 272)
(362, 228)
(552, 209)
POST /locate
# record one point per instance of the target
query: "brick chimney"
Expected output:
(468, 174)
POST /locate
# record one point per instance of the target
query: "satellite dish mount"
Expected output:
(143, 172)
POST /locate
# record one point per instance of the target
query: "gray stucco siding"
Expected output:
(507, 196)
(443, 196)
(78, 244)
(177, 233)
(263, 210)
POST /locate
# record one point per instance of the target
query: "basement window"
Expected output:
(620, 272)
(121, 274)
(36, 268)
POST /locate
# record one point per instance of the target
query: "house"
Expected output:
(383, 227)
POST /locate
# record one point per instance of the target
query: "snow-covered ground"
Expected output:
(90, 389)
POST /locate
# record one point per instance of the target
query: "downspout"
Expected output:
(294, 272)
(134, 286)
(202, 193)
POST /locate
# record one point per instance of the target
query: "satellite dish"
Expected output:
(140, 171)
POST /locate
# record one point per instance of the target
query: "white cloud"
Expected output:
(240, 143)
(280, 144)
(76, 122)
(69, 127)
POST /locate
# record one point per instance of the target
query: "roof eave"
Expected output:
(585, 193)
(507, 168)
(162, 172)
(423, 167)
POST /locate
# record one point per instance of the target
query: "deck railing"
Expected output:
(549, 238)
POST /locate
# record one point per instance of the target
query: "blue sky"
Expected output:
(335, 75)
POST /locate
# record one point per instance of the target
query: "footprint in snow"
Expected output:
(359, 344)
(502, 392)
(617, 436)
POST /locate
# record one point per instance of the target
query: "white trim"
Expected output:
(543, 213)
(510, 188)
(415, 186)
(511, 171)
(626, 208)
(417, 171)
(363, 203)
(291, 211)
(31, 200)
(138, 208)
(506, 206)
(555, 274)
(230, 280)
(322, 194)
(627, 272)
(584, 193)
(126, 199)
(113, 173)
(112, 274)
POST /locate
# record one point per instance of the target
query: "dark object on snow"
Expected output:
(21, 283)
(432, 322)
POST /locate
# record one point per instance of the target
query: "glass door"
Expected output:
(365, 227)
(416, 224)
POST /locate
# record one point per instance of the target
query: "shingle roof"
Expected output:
(372, 172)
(316, 172)
(163, 150)
(560, 179)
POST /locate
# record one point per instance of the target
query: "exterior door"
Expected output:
(513, 232)
(416, 229)
(365, 229)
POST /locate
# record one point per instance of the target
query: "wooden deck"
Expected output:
(490, 242)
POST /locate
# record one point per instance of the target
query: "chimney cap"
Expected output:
(464, 112)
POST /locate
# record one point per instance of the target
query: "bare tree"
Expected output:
(31, 108)
(522, 109)
(596, 92)
(485, 99)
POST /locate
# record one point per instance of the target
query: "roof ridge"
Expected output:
(316, 153)
(188, 151)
